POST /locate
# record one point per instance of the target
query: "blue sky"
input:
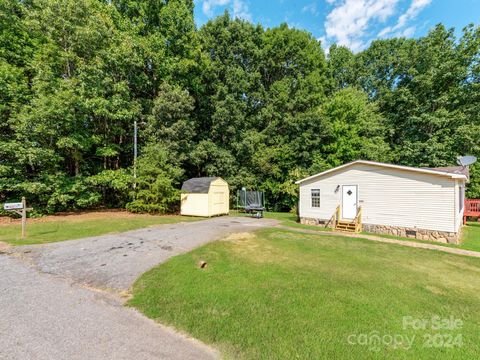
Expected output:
(354, 23)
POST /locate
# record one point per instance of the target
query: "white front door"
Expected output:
(349, 201)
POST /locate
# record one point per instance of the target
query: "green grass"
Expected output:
(70, 228)
(470, 236)
(290, 219)
(286, 219)
(286, 295)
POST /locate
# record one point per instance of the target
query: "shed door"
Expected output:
(349, 201)
(218, 202)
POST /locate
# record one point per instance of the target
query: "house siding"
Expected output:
(392, 197)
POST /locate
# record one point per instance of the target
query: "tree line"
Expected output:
(260, 107)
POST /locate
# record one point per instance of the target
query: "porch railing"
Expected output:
(358, 220)
(334, 219)
(472, 208)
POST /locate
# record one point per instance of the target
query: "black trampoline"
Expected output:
(252, 202)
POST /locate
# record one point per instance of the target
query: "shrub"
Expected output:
(157, 182)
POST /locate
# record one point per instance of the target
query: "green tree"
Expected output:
(259, 107)
(355, 130)
(157, 183)
(171, 121)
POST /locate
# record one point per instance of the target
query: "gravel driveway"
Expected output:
(51, 306)
(116, 261)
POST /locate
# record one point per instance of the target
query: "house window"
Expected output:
(316, 198)
(461, 198)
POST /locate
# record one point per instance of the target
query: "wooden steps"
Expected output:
(346, 225)
(339, 224)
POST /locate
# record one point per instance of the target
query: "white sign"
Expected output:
(12, 206)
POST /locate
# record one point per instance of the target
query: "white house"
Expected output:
(425, 203)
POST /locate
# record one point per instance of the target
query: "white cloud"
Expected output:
(408, 32)
(348, 22)
(238, 8)
(311, 8)
(325, 45)
(208, 5)
(416, 6)
(385, 31)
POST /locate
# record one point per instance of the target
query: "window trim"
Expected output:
(315, 197)
(461, 198)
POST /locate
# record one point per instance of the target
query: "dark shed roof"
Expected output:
(198, 185)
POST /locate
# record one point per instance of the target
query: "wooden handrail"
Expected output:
(472, 205)
(472, 208)
(334, 218)
(358, 220)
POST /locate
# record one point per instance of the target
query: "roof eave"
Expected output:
(391, 166)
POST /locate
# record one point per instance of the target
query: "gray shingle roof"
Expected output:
(198, 185)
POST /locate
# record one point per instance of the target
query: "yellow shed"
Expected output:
(205, 196)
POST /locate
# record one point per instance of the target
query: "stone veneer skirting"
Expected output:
(413, 233)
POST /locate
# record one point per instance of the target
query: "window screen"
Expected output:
(316, 198)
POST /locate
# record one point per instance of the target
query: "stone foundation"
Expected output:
(413, 233)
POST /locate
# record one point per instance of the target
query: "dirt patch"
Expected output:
(77, 216)
(435, 290)
(239, 237)
(248, 245)
(243, 243)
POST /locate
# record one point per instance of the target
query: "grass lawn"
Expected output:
(77, 226)
(470, 236)
(285, 295)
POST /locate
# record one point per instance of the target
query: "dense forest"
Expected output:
(259, 107)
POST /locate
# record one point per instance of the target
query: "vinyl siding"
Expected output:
(388, 197)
